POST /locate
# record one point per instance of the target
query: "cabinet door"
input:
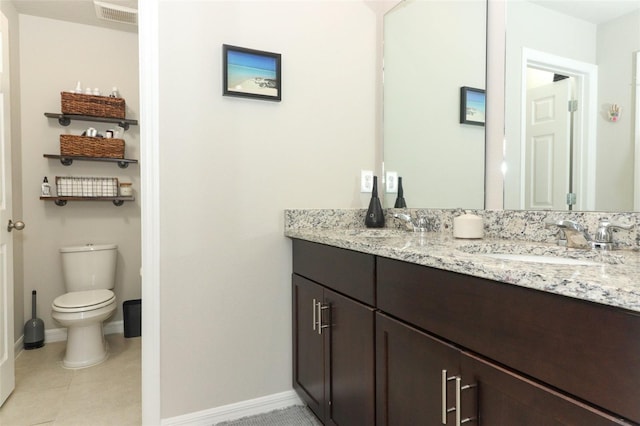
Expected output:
(500, 397)
(349, 349)
(308, 356)
(409, 375)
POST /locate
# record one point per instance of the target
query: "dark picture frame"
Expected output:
(473, 103)
(250, 73)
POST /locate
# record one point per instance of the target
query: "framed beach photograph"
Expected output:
(472, 106)
(250, 73)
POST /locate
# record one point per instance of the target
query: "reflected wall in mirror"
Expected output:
(556, 158)
(431, 50)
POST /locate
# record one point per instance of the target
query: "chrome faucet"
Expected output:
(419, 224)
(576, 235)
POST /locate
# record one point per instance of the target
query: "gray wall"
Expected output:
(53, 56)
(617, 40)
(229, 167)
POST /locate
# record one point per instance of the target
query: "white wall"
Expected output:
(229, 167)
(560, 35)
(53, 56)
(617, 40)
(431, 50)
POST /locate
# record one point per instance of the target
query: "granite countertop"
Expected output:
(613, 280)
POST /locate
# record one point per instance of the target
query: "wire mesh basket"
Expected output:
(86, 186)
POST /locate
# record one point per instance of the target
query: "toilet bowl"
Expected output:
(89, 273)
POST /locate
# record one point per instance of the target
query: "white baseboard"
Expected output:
(236, 411)
(18, 347)
(60, 334)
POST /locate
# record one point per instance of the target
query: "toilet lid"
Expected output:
(78, 301)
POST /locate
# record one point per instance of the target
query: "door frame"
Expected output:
(585, 136)
(7, 322)
(636, 168)
(148, 41)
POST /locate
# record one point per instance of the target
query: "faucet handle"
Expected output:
(604, 233)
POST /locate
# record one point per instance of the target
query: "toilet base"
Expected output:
(86, 346)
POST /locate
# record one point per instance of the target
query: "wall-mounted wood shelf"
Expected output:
(67, 160)
(62, 201)
(65, 119)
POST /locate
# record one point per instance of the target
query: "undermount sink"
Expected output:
(542, 254)
(553, 260)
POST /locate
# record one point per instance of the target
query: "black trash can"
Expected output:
(132, 311)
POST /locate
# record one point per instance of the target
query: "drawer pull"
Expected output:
(459, 389)
(445, 410)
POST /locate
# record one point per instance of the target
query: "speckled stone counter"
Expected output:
(613, 278)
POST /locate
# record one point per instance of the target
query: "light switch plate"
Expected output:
(392, 182)
(366, 180)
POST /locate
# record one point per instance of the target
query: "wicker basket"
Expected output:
(95, 106)
(84, 146)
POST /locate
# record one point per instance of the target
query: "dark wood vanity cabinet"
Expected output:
(533, 355)
(333, 334)
(417, 376)
(378, 341)
(409, 366)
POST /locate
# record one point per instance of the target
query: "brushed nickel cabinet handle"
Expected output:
(314, 315)
(321, 326)
(445, 409)
(459, 389)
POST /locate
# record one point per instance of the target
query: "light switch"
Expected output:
(392, 182)
(366, 180)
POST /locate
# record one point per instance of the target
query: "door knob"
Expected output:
(18, 226)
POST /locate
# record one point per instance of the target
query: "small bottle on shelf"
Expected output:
(45, 188)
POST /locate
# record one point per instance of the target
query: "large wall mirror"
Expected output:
(431, 50)
(570, 127)
(557, 52)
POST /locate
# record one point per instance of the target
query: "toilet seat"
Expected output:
(83, 301)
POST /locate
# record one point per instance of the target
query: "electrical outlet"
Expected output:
(366, 180)
(392, 182)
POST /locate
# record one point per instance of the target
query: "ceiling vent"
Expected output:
(116, 13)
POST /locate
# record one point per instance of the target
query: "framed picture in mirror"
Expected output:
(250, 73)
(472, 106)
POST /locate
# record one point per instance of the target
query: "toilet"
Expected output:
(89, 277)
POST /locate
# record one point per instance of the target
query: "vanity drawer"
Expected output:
(589, 350)
(345, 271)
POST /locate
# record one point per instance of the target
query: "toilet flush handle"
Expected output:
(18, 225)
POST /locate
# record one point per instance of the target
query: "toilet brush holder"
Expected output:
(34, 328)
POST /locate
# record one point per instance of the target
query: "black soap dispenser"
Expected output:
(400, 203)
(375, 215)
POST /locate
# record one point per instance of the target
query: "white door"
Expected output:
(547, 147)
(7, 375)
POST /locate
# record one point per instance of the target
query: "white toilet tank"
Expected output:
(89, 267)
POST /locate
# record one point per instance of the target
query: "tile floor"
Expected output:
(48, 394)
